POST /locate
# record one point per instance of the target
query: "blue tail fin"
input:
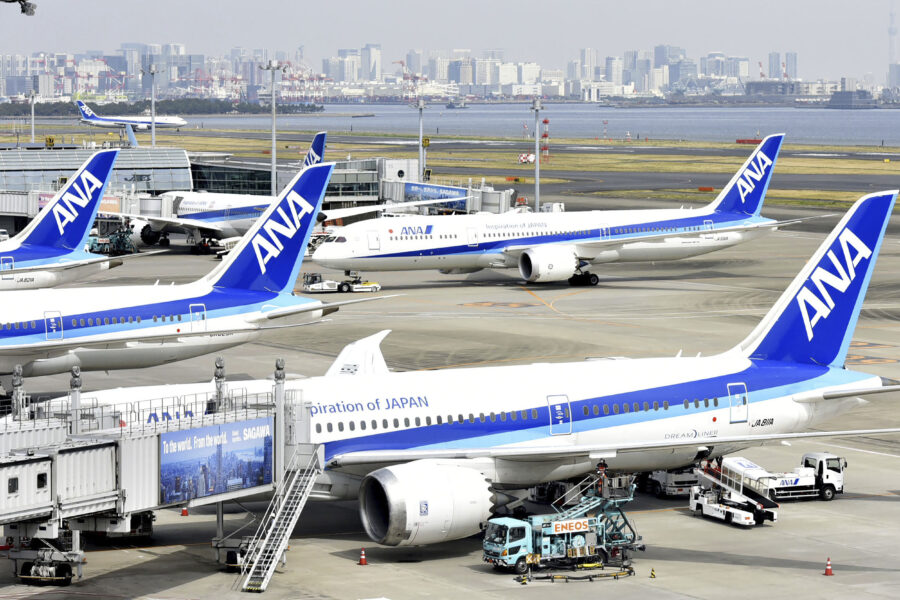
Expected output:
(269, 256)
(746, 191)
(66, 221)
(85, 110)
(316, 150)
(814, 319)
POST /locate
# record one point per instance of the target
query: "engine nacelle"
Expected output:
(143, 232)
(423, 502)
(548, 263)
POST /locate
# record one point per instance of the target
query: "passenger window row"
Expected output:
(90, 321)
(20, 325)
(438, 420)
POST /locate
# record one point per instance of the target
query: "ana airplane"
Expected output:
(430, 454)
(50, 250)
(102, 328)
(560, 246)
(205, 215)
(91, 118)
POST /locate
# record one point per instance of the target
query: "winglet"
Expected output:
(814, 319)
(316, 152)
(269, 256)
(746, 191)
(66, 221)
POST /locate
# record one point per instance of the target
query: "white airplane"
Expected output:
(560, 246)
(209, 215)
(50, 250)
(91, 118)
(102, 328)
(430, 454)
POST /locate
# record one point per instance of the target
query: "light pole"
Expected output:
(420, 105)
(152, 72)
(32, 116)
(272, 66)
(536, 107)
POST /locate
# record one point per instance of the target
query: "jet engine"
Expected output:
(424, 502)
(142, 232)
(548, 263)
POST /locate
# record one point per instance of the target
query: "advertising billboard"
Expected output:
(426, 191)
(194, 463)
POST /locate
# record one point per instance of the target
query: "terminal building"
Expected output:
(29, 179)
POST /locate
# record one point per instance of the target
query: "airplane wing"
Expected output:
(592, 451)
(342, 213)
(327, 307)
(586, 248)
(169, 223)
(74, 264)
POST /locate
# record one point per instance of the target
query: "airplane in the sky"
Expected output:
(560, 246)
(50, 250)
(210, 215)
(430, 454)
(102, 328)
(91, 118)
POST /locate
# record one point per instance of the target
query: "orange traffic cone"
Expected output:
(362, 557)
(184, 512)
(828, 570)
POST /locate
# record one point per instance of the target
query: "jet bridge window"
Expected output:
(41, 481)
(12, 485)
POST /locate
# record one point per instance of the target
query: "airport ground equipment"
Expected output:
(674, 482)
(820, 474)
(595, 530)
(735, 491)
(314, 282)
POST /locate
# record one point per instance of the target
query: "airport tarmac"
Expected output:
(706, 304)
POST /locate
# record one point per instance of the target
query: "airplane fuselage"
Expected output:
(43, 329)
(141, 123)
(481, 241)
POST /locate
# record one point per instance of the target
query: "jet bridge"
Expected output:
(68, 466)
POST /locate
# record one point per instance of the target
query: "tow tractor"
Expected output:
(595, 530)
(733, 490)
(314, 282)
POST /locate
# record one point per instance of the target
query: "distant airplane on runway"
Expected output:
(558, 246)
(91, 118)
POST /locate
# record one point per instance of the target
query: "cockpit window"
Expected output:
(329, 239)
(340, 239)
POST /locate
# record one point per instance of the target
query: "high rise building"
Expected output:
(588, 63)
(790, 65)
(370, 62)
(774, 65)
(614, 68)
(894, 75)
(573, 69)
(461, 71)
(507, 74)
(529, 73)
(438, 68)
(414, 62)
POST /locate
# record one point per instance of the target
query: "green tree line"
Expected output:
(186, 106)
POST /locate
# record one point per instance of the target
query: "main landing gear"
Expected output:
(584, 278)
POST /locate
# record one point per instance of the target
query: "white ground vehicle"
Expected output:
(676, 482)
(819, 474)
(314, 282)
(734, 492)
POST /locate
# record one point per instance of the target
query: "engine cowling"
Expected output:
(143, 232)
(548, 263)
(423, 502)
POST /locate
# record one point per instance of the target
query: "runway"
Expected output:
(703, 305)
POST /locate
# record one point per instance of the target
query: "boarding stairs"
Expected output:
(739, 489)
(270, 541)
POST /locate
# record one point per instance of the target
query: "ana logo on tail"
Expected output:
(66, 210)
(87, 109)
(312, 158)
(752, 174)
(823, 303)
(287, 228)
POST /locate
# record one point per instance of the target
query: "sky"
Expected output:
(832, 38)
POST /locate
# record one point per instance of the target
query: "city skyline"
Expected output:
(811, 29)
